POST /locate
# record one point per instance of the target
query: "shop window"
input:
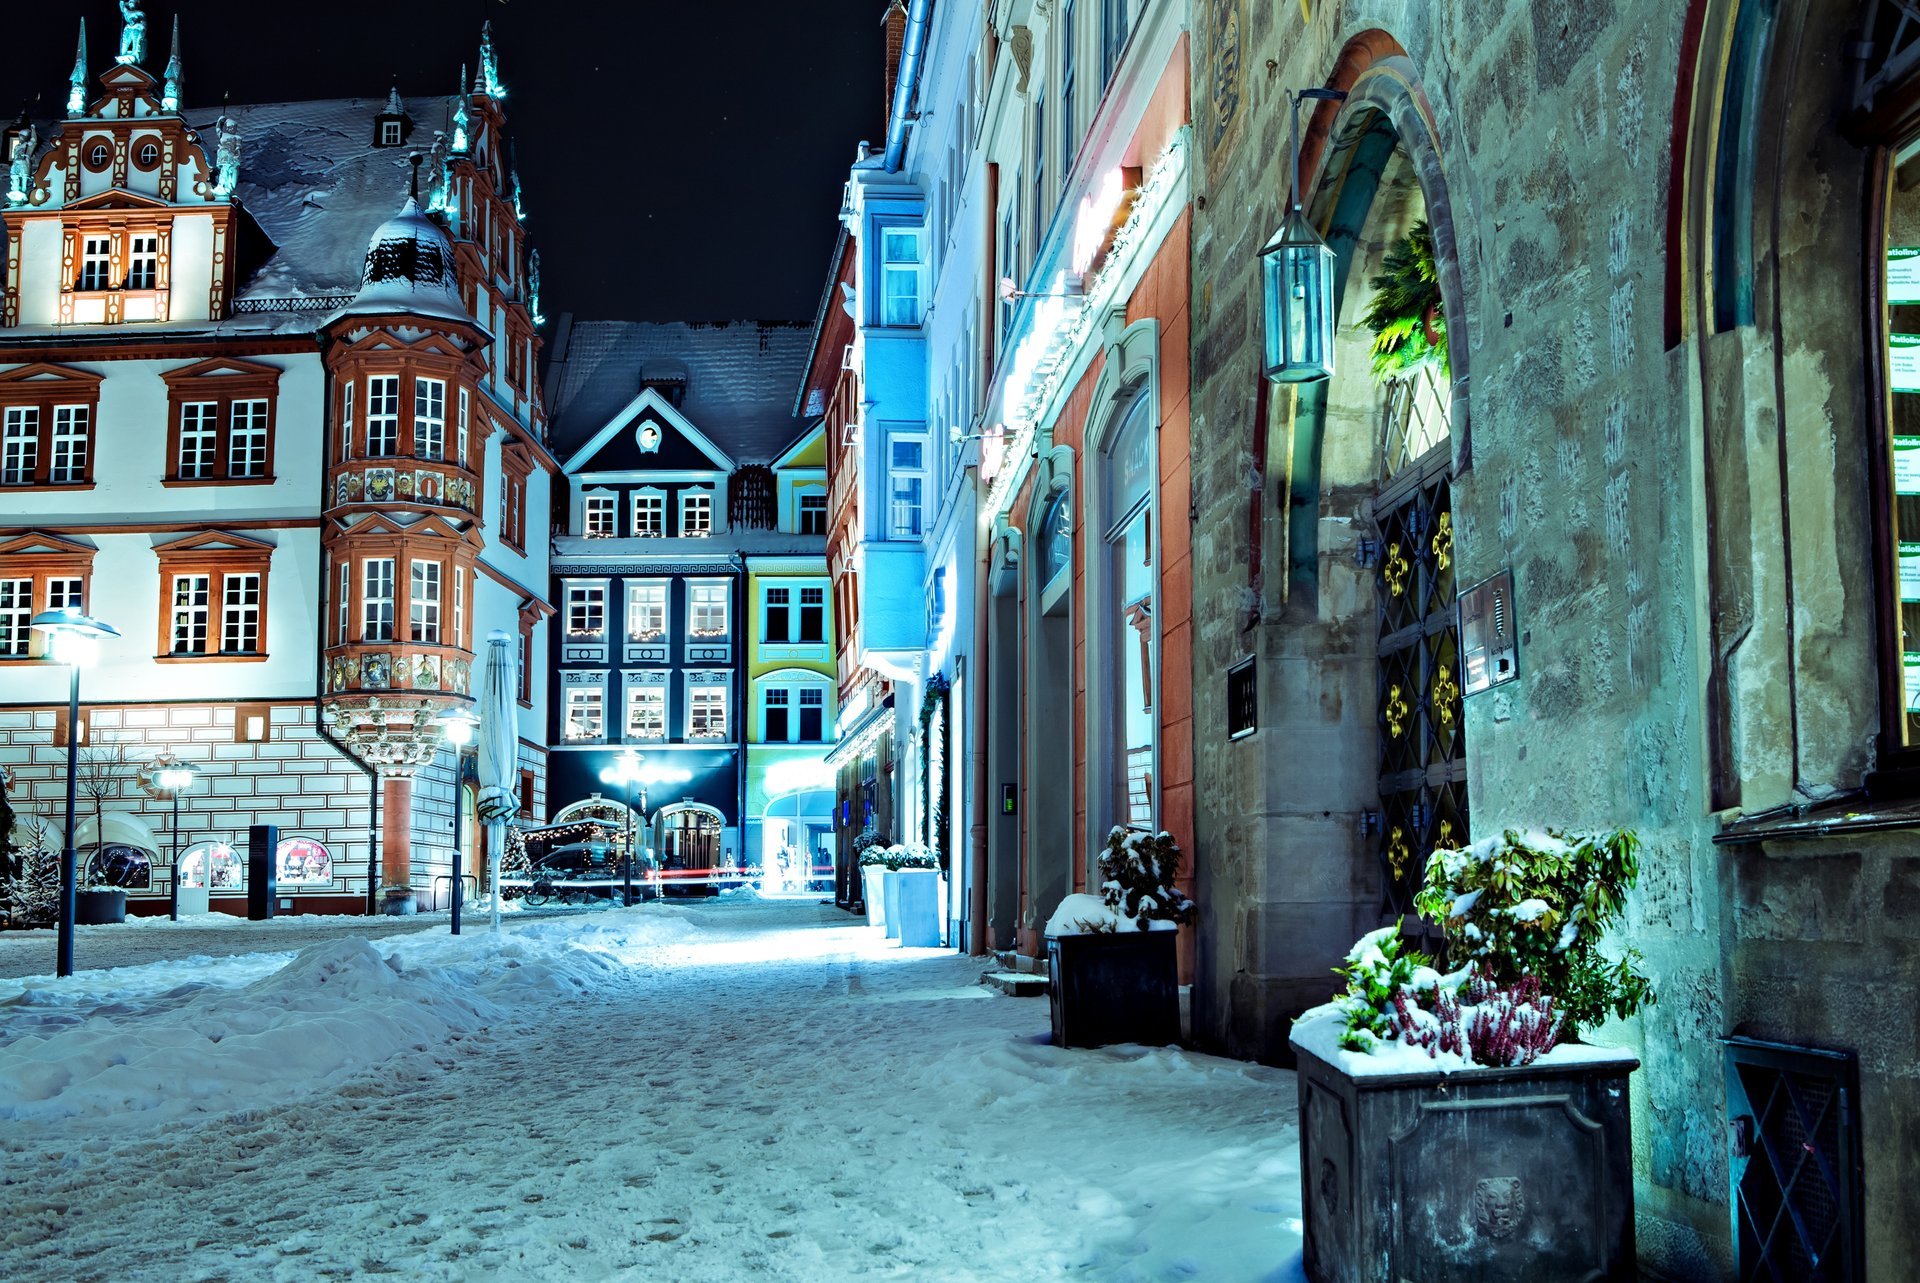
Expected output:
(303, 862)
(214, 865)
(1127, 619)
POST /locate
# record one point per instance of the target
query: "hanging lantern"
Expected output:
(1296, 273)
(1296, 282)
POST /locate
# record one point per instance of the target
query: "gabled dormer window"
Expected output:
(649, 514)
(389, 133)
(96, 263)
(597, 515)
(696, 513)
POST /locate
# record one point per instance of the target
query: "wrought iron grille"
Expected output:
(1795, 1172)
(1889, 50)
(1243, 700)
(1423, 765)
(305, 303)
(1417, 416)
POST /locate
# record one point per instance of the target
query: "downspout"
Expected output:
(741, 711)
(907, 83)
(977, 743)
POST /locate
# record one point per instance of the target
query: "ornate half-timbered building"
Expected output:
(267, 407)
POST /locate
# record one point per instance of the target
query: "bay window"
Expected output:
(423, 598)
(429, 419)
(901, 282)
(383, 415)
(376, 600)
(906, 484)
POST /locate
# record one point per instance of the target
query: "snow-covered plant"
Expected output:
(915, 856)
(1536, 905)
(33, 894)
(1379, 969)
(1137, 872)
(868, 849)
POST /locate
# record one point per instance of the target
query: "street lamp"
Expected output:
(458, 725)
(626, 771)
(73, 639)
(173, 777)
(1296, 276)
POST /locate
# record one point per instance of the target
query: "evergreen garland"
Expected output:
(1406, 315)
(935, 700)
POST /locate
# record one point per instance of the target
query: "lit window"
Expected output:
(64, 593)
(69, 444)
(143, 261)
(383, 415)
(20, 446)
(906, 486)
(1127, 621)
(585, 713)
(463, 429)
(696, 513)
(649, 516)
(345, 610)
(586, 610)
(190, 609)
(247, 443)
(707, 713)
(346, 422)
(900, 276)
(813, 514)
(240, 615)
(778, 728)
(459, 606)
(779, 614)
(96, 263)
(376, 615)
(647, 712)
(707, 610)
(599, 516)
(199, 430)
(813, 614)
(16, 608)
(813, 710)
(646, 612)
(429, 419)
(424, 602)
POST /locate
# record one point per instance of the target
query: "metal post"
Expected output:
(173, 898)
(459, 806)
(626, 862)
(67, 857)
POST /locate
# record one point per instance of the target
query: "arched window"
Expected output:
(1055, 537)
(1126, 615)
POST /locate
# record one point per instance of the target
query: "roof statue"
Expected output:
(20, 164)
(227, 157)
(170, 95)
(488, 78)
(533, 288)
(133, 33)
(77, 82)
(460, 113)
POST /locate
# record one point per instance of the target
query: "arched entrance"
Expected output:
(687, 835)
(796, 841)
(1049, 688)
(1003, 739)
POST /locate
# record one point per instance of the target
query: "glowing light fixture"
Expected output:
(1296, 275)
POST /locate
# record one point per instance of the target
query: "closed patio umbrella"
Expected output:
(499, 763)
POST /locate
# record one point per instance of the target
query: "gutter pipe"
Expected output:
(907, 83)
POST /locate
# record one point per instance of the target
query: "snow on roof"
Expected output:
(312, 178)
(739, 375)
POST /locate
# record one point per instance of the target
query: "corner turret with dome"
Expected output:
(410, 271)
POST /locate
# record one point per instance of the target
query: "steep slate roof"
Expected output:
(740, 377)
(312, 178)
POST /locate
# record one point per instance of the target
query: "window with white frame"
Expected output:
(423, 598)
(247, 440)
(346, 422)
(69, 444)
(461, 442)
(383, 415)
(1042, 197)
(143, 262)
(813, 513)
(188, 626)
(240, 614)
(64, 592)
(906, 484)
(376, 600)
(585, 713)
(813, 615)
(343, 610)
(586, 610)
(646, 712)
(389, 133)
(1113, 35)
(707, 610)
(459, 607)
(707, 713)
(96, 263)
(1007, 250)
(813, 714)
(900, 275)
(430, 419)
(696, 513)
(597, 514)
(199, 433)
(20, 445)
(16, 608)
(646, 611)
(649, 514)
(777, 725)
(779, 614)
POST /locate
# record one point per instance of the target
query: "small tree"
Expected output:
(105, 770)
(1137, 872)
(33, 894)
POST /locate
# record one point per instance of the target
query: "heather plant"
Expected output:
(1137, 874)
(1537, 905)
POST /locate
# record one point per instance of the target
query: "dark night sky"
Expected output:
(682, 161)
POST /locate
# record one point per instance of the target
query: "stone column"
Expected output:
(396, 849)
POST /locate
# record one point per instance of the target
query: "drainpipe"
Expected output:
(907, 83)
(977, 742)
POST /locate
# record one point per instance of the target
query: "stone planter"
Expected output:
(890, 897)
(873, 894)
(1115, 986)
(917, 899)
(97, 908)
(1476, 1176)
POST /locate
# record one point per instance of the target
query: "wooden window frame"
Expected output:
(526, 792)
(516, 466)
(41, 559)
(528, 621)
(216, 555)
(45, 389)
(222, 383)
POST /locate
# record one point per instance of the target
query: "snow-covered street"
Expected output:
(743, 1089)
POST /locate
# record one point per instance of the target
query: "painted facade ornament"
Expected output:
(77, 81)
(1225, 77)
(227, 157)
(20, 165)
(170, 93)
(133, 33)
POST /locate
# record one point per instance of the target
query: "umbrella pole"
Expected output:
(495, 836)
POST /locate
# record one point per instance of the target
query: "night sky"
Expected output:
(682, 161)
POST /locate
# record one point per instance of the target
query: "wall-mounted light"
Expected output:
(1296, 274)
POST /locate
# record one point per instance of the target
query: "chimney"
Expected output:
(896, 35)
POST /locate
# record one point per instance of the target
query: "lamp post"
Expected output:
(174, 777)
(626, 772)
(458, 725)
(72, 639)
(1296, 277)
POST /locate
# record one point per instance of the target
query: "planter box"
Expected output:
(917, 898)
(97, 908)
(1118, 986)
(1477, 1176)
(873, 894)
(890, 898)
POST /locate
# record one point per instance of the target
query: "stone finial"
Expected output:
(170, 94)
(77, 82)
